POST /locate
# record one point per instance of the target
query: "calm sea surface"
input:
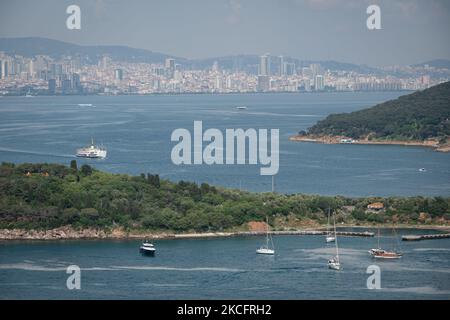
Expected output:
(223, 269)
(136, 130)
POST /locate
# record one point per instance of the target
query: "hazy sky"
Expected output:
(413, 31)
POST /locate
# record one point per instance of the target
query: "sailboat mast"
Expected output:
(267, 232)
(378, 237)
(328, 223)
(335, 237)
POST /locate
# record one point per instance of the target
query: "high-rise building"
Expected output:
(281, 67)
(307, 85)
(263, 83)
(215, 66)
(319, 83)
(118, 74)
(104, 62)
(4, 65)
(218, 83)
(76, 83)
(316, 69)
(289, 68)
(51, 86)
(170, 67)
(31, 68)
(307, 72)
(264, 65)
(66, 86)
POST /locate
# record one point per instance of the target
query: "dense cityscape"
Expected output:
(44, 75)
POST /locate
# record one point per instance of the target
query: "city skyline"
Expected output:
(412, 32)
(77, 74)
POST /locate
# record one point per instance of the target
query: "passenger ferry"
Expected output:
(92, 151)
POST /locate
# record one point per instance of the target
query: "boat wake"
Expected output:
(36, 153)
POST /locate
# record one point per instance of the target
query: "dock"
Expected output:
(309, 233)
(425, 237)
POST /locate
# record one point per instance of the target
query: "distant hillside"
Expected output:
(418, 116)
(33, 46)
(29, 47)
(438, 63)
(247, 61)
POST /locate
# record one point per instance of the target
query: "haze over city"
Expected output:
(412, 31)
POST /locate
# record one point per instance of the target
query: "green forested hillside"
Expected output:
(417, 116)
(43, 196)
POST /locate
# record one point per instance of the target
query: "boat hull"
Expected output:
(265, 251)
(387, 256)
(334, 266)
(147, 252)
(381, 254)
(92, 156)
(330, 239)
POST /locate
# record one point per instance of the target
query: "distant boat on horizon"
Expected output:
(85, 105)
(241, 107)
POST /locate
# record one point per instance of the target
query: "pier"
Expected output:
(425, 237)
(309, 233)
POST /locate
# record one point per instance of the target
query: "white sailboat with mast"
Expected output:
(268, 248)
(335, 263)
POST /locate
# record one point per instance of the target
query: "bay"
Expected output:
(224, 268)
(136, 130)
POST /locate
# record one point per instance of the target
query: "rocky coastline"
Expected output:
(69, 233)
(327, 139)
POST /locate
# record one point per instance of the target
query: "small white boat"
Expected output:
(334, 263)
(267, 249)
(147, 248)
(85, 105)
(263, 250)
(241, 108)
(422, 169)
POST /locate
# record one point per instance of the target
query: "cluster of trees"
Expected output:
(42, 196)
(417, 116)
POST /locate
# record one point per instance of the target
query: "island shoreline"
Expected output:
(69, 233)
(328, 139)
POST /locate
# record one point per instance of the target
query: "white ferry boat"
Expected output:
(92, 151)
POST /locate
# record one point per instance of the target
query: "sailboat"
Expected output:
(329, 237)
(384, 254)
(334, 263)
(267, 249)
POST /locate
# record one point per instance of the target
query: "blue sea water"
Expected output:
(224, 268)
(137, 129)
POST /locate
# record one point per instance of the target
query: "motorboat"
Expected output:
(147, 248)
